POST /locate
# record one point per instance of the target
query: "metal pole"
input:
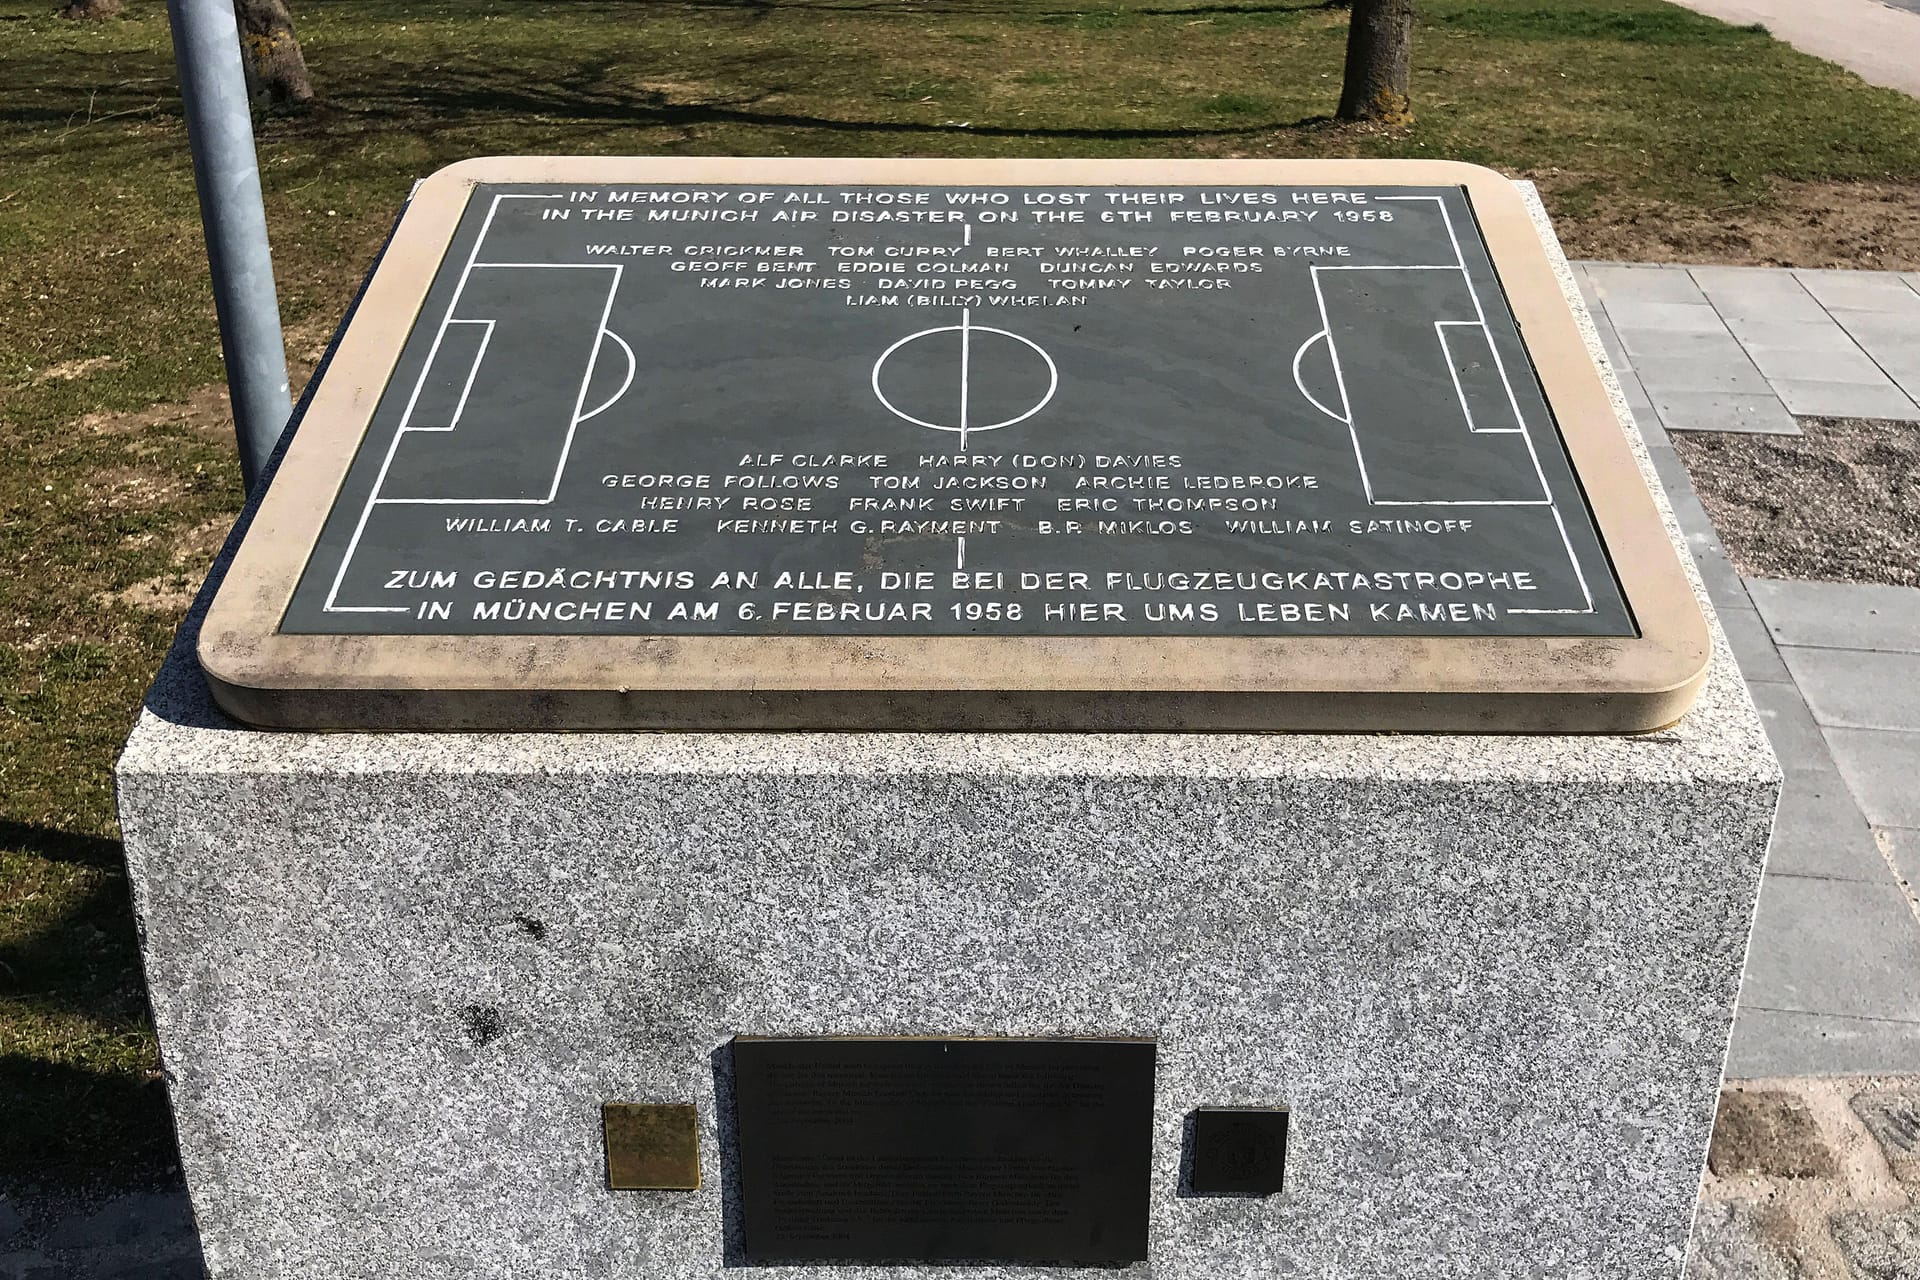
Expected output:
(226, 171)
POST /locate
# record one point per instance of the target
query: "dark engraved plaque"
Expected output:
(1239, 1151)
(909, 1150)
(965, 410)
(705, 443)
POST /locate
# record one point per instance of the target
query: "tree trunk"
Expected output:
(276, 71)
(1379, 49)
(90, 9)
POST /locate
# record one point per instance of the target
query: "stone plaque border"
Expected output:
(1488, 684)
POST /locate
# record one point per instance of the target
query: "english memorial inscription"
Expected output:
(941, 405)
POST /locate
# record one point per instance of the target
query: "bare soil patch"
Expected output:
(1871, 226)
(204, 409)
(134, 488)
(171, 592)
(1838, 504)
(68, 370)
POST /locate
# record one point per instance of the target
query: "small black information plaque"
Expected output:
(944, 1151)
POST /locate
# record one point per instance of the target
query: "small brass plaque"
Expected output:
(652, 1146)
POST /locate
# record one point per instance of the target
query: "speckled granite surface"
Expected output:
(396, 975)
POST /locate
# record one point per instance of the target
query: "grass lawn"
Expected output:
(1656, 133)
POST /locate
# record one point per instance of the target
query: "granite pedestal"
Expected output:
(396, 976)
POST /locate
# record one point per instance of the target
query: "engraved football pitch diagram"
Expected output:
(543, 389)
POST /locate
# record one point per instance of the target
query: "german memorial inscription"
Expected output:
(936, 410)
(903, 1150)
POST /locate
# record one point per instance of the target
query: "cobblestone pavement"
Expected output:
(1812, 1180)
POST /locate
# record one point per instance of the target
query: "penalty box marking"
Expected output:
(473, 260)
(1523, 431)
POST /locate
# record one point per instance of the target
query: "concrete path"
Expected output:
(1747, 348)
(1833, 974)
(1880, 42)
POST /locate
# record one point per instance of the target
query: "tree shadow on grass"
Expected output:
(81, 1101)
(591, 93)
(60, 846)
(392, 96)
(69, 1128)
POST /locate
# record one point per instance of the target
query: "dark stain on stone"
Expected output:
(531, 927)
(1767, 1132)
(483, 1023)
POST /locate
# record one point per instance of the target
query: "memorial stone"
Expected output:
(690, 451)
(724, 447)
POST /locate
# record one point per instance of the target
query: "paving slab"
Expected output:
(1847, 364)
(1664, 317)
(1879, 1246)
(1906, 377)
(1722, 580)
(1610, 341)
(1715, 345)
(1716, 570)
(1617, 354)
(1645, 284)
(1729, 370)
(1749, 293)
(1791, 728)
(1820, 831)
(1838, 615)
(1768, 1043)
(1675, 479)
(1753, 646)
(1882, 767)
(1723, 411)
(1861, 291)
(1892, 1116)
(1730, 1242)
(1789, 335)
(1896, 337)
(1634, 390)
(1809, 399)
(1843, 948)
(1893, 342)
(1647, 419)
(1588, 292)
(1858, 688)
(1688, 509)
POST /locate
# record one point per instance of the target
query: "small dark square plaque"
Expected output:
(911, 1150)
(1239, 1151)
